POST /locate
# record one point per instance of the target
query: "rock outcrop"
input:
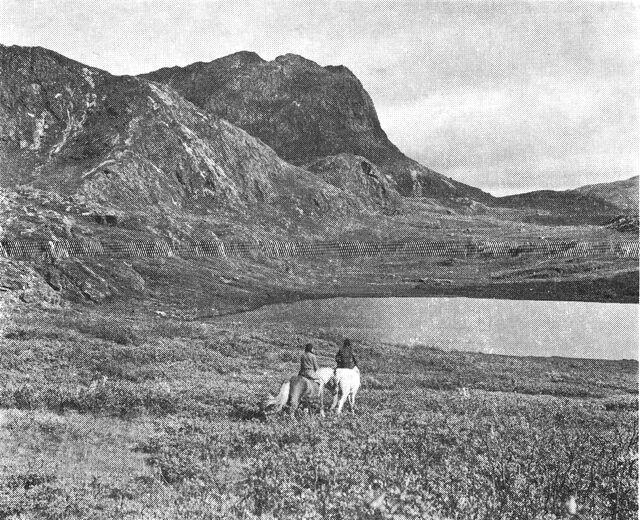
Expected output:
(108, 145)
(625, 224)
(305, 112)
(356, 175)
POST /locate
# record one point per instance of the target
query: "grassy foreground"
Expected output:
(101, 417)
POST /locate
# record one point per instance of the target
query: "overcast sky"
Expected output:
(508, 97)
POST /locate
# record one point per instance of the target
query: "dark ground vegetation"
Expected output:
(112, 418)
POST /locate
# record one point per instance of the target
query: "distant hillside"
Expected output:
(305, 112)
(622, 194)
(588, 203)
(565, 202)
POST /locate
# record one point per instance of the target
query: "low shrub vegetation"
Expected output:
(525, 438)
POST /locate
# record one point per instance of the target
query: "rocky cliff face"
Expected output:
(123, 145)
(88, 155)
(357, 175)
(305, 112)
(302, 110)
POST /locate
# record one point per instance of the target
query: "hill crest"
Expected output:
(305, 112)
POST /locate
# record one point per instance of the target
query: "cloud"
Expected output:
(553, 133)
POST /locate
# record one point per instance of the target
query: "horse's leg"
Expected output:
(335, 399)
(352, 402)
(282, 398)
(341, 404)
(321, 400)
(343, 398)
(354, 392)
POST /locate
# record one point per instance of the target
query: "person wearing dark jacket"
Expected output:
(345, 357)
(308, 363)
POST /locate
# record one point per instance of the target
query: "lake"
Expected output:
(515, 327)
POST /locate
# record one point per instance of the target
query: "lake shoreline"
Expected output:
(522, 328)
(620, 289)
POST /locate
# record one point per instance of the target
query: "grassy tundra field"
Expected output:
(102, 417)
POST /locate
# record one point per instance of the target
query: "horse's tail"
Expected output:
(279, 401)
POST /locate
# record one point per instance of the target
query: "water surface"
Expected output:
(517, 327)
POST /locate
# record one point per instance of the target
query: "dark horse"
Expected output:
(298, 388)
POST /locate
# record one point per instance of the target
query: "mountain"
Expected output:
(128, 162)
(305, 112)
(302, 110)
(85, 155)
(124, 145)
(622, 194)
(596, 203)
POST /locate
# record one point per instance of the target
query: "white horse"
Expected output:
(347, 386)
(299, 387)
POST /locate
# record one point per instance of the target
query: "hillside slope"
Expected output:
(88, 155)
(305, 112)
(623, 194)
(125, 144)
(596, 203)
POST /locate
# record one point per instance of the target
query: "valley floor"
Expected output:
(103, 417)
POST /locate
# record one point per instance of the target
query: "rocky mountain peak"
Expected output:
(245, 57)
(124, 145)
(339, 69)
(306, 112)
(300, 109)
(295, 59)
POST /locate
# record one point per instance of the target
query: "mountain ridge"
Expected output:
(127, 142)
(86, 155)
(408, 173)
(305, 111)
(607, 198)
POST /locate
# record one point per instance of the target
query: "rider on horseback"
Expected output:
(345, 357)
(347, 378)
(309, 364)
